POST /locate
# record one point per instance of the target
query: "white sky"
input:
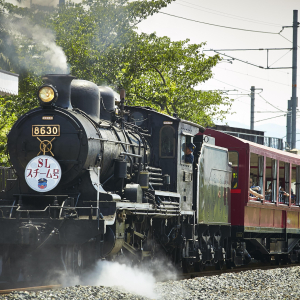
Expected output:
(263, 15)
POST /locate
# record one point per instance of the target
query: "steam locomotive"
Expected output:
(96, 179)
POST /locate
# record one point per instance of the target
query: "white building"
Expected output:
(9, 83)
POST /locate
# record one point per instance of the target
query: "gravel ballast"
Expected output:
(281, 283)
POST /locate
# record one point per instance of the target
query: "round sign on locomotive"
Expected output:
(43, 173)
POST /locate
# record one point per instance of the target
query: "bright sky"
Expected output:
(263, 15)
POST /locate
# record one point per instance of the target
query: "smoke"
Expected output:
(43, 53)
(139, 280)
(37, 47)
(26, 3)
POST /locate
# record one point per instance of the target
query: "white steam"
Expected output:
(39, 50)
(26, 3)
(137, 280)
(133, 280)
(43, 40)
(55, 55)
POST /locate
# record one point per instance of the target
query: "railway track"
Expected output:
(212, 272)
(28, 289)
(209, 271)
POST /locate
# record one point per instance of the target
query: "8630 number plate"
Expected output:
(45, 130)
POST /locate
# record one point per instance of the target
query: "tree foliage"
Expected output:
(96, 40)
(166, 75)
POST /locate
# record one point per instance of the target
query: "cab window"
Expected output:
(185, 140)
(234, 159)
(167, 142)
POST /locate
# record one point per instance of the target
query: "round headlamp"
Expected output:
(47, 94)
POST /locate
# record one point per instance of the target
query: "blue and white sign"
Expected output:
(43, 173)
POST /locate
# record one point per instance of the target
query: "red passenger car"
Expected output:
(268, 225)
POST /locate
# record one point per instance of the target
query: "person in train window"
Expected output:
(283, 192)
(269, 189)
(255, 190)
(293, 197)
(189, 156)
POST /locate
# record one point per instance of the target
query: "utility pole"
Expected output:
(289, 126)
(294, 99)
(252, 107)
(252, 89)
(293, 102)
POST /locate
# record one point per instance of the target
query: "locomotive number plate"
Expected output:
(45, 130)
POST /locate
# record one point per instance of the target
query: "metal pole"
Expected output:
(98, 196)
(252, 107)
(289, 126)
(294, 78)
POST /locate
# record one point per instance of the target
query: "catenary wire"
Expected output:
(270, 103)
(270, 118)
(268, 112)
(220, 13)
(257, 77)
(230, 84)
(286, 38)
(249, 94)
(280, 58)
(216, 25)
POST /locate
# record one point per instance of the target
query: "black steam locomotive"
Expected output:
(96, 179)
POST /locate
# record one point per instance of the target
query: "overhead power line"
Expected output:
(256, 76)
(270, 103)
(287, 39)
(270, 118)
(216, 25)
(280, 110)
(221, 13)
(280, 58)
(270, 112)
(230, 85)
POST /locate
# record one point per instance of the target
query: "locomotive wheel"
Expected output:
(11, 265)
(199, 266)
(73, 259)
(281, 259)
(266, 258)
(15, 269)
(109, 242)
(229, 264)
(219, 265)
(187, 267)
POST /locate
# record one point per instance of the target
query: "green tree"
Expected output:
(96, 40)
(166, 75)
(155, 71)
(31, 41)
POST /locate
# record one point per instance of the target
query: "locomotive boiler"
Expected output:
(94, 180)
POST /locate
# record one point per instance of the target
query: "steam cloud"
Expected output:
(43, 54)
(137, 280)
(26, 3)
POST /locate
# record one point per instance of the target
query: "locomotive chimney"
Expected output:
(62, 83)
